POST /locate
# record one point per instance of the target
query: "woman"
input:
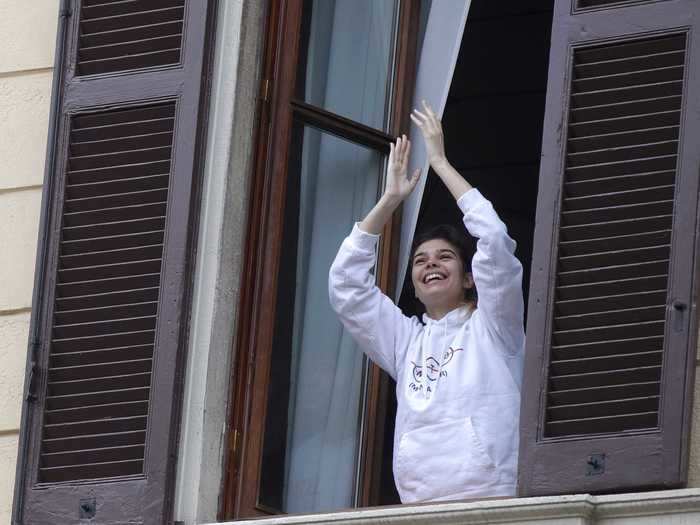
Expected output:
(458, 372)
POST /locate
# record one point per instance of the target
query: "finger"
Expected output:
(408, 150)
(423, 116)
(416, 121)
(391, 150)
(427, 108)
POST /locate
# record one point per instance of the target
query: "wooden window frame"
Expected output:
(277, 109)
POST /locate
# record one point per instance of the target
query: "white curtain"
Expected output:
(438, 57)
(339, 185)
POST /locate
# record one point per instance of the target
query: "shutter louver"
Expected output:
(107, 294)
(129, 34)
(615, 234)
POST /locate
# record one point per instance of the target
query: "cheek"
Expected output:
(415, 274)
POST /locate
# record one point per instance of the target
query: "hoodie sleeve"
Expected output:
(373, 320)
(497, 272)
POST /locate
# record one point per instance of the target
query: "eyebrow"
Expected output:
(441, 250)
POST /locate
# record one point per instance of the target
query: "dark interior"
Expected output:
(493, 133)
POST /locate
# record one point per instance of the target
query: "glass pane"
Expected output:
(313, 417)
(346, 57)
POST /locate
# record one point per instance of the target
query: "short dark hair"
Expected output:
(458, 239)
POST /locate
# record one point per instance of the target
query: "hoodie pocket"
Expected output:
(442, 459)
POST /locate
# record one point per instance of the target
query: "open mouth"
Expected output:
(433, 276)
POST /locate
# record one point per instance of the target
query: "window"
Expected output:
(502, 88)
(307, 424)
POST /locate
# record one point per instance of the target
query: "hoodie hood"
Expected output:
(453, 318)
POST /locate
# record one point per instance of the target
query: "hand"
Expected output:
(431, 129)
(398, 186)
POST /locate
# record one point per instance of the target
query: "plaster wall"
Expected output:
(28, 32)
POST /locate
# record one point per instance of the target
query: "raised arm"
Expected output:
(373, 320)
(431, 129)
(497, 272)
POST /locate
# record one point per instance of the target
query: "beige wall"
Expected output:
(28, 32)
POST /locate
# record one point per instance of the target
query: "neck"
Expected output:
(437, 312)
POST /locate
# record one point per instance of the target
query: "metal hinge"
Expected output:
(265, 90)
(234, 448)
(33, 371)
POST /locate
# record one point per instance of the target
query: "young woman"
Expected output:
(458, 372)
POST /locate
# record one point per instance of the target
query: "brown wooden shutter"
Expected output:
(99, 429)
(612, 327)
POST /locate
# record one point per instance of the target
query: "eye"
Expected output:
(417, 262)
(446, 256)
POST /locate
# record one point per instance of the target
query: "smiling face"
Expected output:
(438, 277)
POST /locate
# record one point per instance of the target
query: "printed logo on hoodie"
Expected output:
(425, 375)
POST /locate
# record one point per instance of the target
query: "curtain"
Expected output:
(438, 57)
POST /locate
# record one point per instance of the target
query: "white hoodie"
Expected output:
(457, 379)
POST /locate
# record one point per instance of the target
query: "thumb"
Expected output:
(415, 177)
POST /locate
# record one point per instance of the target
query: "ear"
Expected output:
(468, 282)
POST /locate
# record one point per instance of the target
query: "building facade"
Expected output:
(229, 104)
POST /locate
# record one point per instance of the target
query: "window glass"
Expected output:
(345, 66)
(312, 425)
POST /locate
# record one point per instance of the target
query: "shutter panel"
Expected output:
(99, 434)
(612, 327)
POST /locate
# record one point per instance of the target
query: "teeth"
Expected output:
(432, 277)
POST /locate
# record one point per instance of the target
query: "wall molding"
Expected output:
(579, 509)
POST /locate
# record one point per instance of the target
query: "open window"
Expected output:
(570, 138)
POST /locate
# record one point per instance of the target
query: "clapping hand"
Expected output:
(431, 129)
(398, 185)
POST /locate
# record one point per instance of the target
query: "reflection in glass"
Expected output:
(312, 423)
(346, 65)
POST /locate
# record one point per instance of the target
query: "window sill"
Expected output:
(677, 507)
